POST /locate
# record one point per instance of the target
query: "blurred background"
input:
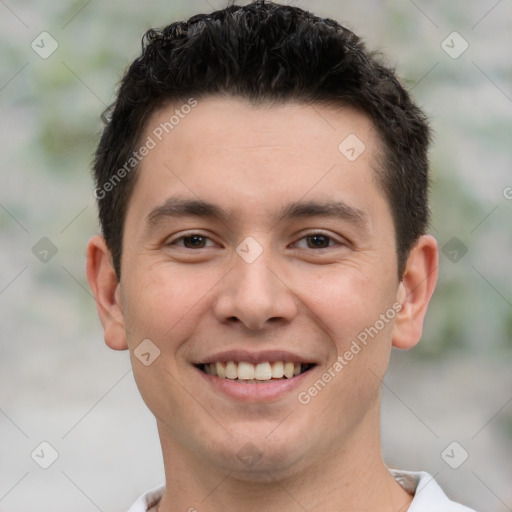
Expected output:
(447, 404)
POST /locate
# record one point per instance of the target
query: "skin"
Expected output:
(191, 302)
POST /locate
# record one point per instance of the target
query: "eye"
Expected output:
(317, 241)
(193, 241)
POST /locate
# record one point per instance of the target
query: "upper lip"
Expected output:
(256, 357)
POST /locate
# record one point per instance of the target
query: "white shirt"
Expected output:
(428, 496)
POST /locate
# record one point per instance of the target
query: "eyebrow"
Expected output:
(334, 209)
(178, 207)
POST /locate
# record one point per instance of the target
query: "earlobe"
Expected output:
(105, 288)
(415, 291)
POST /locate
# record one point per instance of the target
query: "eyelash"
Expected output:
(309, 235)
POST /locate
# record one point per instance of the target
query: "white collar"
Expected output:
(428, 496)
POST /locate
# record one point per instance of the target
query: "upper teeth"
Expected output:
(248, 371)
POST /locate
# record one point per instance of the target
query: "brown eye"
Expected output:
(318, 241)
(194, 241)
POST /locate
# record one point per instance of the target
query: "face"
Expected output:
(255, 244)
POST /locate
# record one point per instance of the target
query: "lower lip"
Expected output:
(266, 391)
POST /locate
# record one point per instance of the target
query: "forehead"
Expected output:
(214, 118)
(228, 151)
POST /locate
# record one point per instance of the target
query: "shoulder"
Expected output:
(428, 495)
(148, 500)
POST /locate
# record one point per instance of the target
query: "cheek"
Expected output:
(162, 304)
(349, 306)
(347, 302)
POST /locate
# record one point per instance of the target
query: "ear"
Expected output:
(105, 287)
(415, 291)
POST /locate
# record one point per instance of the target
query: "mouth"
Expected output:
(248, 373)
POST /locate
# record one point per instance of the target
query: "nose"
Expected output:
(256, 294)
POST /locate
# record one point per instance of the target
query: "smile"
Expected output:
(249, 373)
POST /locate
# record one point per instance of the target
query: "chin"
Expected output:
(262, 457)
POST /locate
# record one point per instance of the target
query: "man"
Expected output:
(262, 185)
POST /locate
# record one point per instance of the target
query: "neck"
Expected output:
(349, 477)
